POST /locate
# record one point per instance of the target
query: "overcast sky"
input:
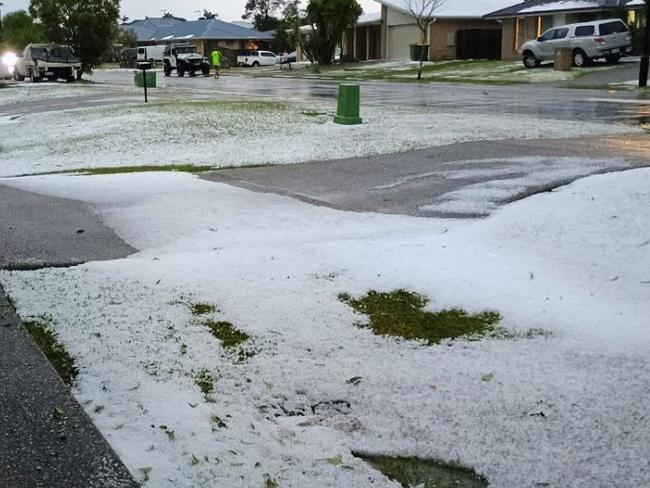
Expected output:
(137, 9)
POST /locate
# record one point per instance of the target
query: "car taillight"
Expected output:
(599, 40)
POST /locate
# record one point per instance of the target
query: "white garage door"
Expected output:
(400, 37)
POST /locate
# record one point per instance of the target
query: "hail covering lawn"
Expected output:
(568, 410)
(222, 134)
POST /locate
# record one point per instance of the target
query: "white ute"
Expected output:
(48, 61)
(257, 58)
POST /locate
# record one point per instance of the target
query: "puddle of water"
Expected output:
(412, 472)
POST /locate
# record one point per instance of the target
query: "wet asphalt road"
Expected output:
(539, 101)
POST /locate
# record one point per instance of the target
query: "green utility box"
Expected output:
(419, 52)
(347, 112)
(151, 79)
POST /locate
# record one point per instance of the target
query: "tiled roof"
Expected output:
(196, 29)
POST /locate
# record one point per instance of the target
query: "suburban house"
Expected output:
(206, 35)
(457, 31)
(529, 19)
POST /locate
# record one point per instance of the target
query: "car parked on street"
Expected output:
(258, 58)
(48, 61)
(607, 39)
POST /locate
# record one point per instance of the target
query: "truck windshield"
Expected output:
(54, 53)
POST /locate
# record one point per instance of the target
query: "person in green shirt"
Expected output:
(216, 62)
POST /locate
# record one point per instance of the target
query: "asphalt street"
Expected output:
(539, 101)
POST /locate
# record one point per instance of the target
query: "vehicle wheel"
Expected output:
(580, 59)
(167, 70)
(530, 60)
(18, 76)
(256, 64)
(33, 78)
(192, 73)
(70, 79)
(613, 59)
(181, 72)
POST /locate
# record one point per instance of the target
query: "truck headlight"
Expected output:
(9, 59)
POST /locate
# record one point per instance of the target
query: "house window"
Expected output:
(631, 17)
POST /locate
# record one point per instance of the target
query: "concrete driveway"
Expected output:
(464, 180)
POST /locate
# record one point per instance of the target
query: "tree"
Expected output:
(19, 29)
(423, 11)
(88, 26)
(263, 13)
(207, 15)
(292, 20)
(127, 38)
(329, 20)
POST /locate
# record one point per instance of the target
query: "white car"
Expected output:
(257, 58)
(609, 39)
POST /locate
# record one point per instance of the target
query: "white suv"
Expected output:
(609, 39)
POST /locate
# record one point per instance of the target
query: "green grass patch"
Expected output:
(401, 313)
(48, 341)
(424, 473)
(229, 335)
(184, 168)
(205, 381)
(201, 308)
(256, 106)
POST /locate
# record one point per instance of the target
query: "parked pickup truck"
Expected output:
(257, 58)
(51, 61)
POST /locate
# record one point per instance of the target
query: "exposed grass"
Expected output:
(185, 168)
(256, 106)
(229, 335)
(205, 381)
(48, 341)
(201, 308)
(424, 473)
(401, 313)
(112, 170)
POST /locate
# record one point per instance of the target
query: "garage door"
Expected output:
(400, 37)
